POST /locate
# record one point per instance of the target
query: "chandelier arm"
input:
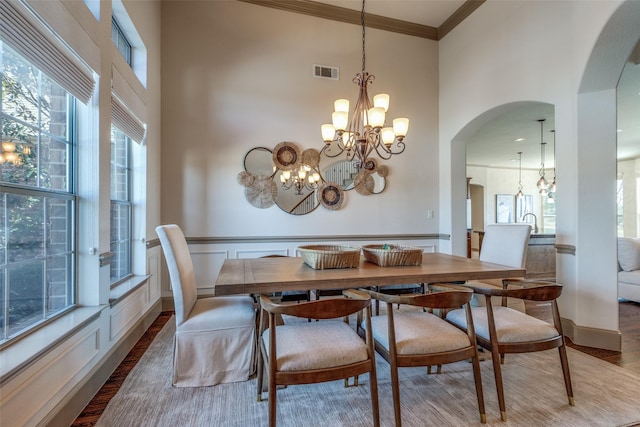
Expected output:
(389, 151)
(384, 154)
(327, 148)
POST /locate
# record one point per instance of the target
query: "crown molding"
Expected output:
(458, 16)
(351, 16)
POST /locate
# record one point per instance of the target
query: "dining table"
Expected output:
(269, 275)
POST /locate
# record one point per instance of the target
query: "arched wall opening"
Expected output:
(586, 232)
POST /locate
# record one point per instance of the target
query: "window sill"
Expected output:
(122, 290)
(18, 356)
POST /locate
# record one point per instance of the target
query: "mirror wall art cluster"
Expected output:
(300, 181)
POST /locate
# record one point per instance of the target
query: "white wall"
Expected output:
(542, 51)
(628, 171)
(505, 181)
(238, 76)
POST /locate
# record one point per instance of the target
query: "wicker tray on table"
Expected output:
(392, 255)
(322, 257)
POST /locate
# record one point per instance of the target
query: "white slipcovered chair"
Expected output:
(215, 336)
(504, 244)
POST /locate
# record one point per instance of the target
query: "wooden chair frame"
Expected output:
(532, 291)
(356, 302)
(449, 296)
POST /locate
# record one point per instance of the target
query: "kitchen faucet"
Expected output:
(535, 221)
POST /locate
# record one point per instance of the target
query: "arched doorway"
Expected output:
(586, 114)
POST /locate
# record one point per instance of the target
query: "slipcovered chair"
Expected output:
(312, 352)
(215, 336)
(412, 338)
(505, 330)
(504, 244)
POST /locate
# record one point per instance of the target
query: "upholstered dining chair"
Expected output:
(409, 338)
(215, 336)
(503, 330)
(301, 352)
(504, 244)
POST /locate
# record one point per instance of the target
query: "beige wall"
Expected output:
(236, 76)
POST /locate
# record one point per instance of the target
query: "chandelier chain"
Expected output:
(363, 38)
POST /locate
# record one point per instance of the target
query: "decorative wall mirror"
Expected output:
(299, 181)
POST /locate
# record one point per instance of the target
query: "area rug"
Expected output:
(605, 395)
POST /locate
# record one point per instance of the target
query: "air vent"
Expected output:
(326, 72)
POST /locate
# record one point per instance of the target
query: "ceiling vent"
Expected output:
(326, 72)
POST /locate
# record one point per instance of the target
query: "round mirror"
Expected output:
(343, 172)
(294, 200)
(259, 161)
(380, 183)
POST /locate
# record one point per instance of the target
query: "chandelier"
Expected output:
(542, 183)
(365, 131)
(300, 178)
(10, 154)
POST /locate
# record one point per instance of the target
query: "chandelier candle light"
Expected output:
(365, 131)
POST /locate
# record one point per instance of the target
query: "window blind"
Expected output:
(28, 35)
(126, 121)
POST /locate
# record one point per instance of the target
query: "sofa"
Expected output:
(629, 268)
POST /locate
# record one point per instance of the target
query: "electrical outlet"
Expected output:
(430, 213)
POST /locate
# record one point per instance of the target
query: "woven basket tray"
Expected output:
(322, 257)
(392, 255)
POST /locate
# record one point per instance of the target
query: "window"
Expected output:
(120, 205)
(37, 196)
(120, 40)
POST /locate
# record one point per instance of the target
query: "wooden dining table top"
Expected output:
(268, 275)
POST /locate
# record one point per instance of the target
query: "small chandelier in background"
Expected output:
(300, 178)
(365, 131)
(542, 184)
(519, 194)
(10, 153)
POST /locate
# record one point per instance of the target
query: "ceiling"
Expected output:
(495, 143)
(432, 13)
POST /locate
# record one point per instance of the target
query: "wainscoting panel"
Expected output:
(153, 270)
(251, 253)
(206, 265)
(51, 376)
(128, 312)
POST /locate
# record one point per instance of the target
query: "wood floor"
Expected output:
(629, 321)
(628, 358)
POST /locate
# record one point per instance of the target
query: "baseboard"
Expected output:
(592, 337)
(68, 410)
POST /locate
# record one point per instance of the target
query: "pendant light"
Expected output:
(542, 183)
(519, 194)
